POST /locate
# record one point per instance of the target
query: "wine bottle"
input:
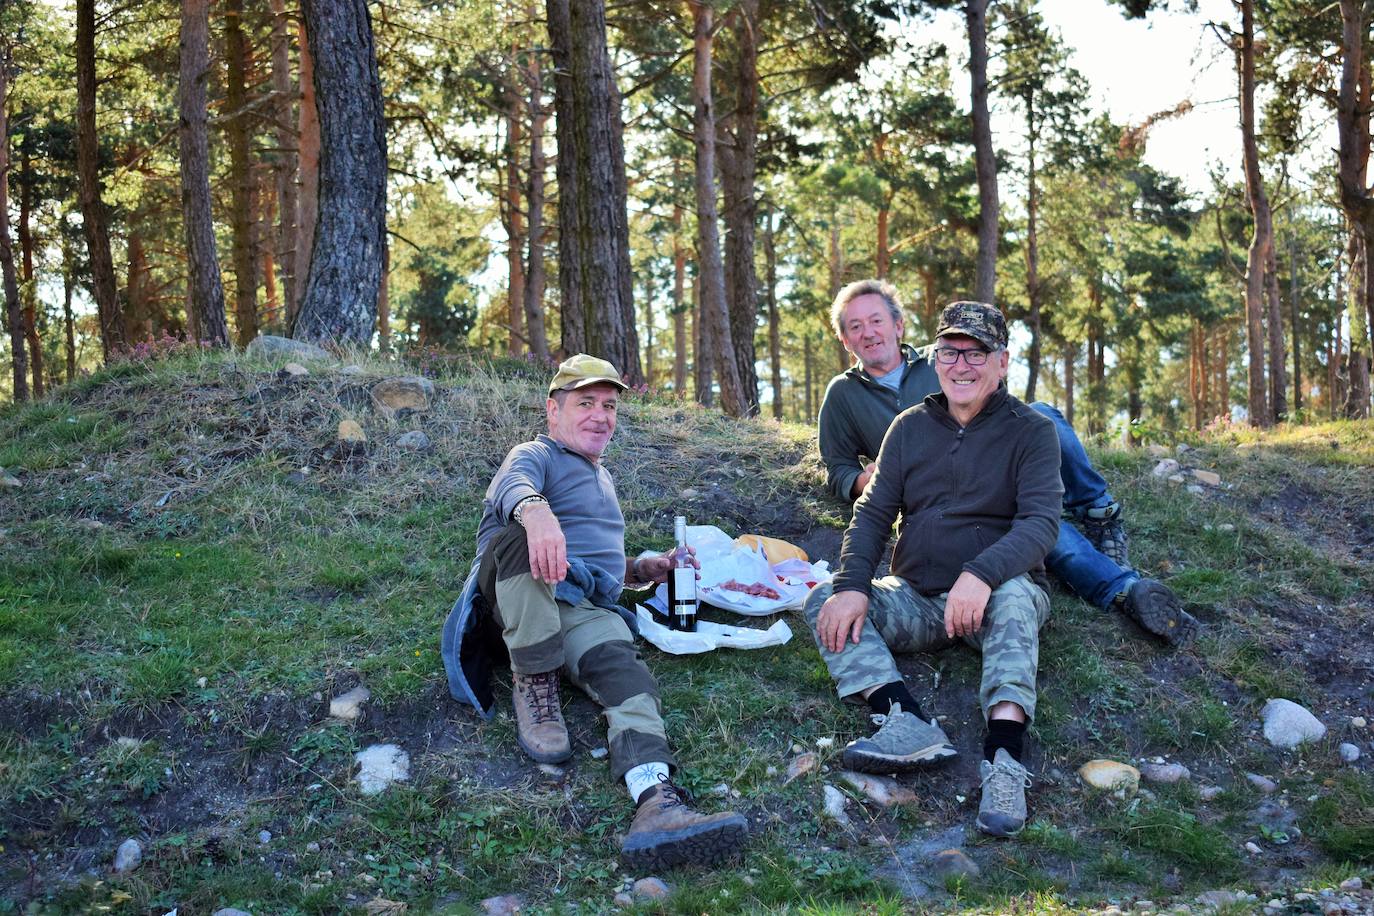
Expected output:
(682, 583)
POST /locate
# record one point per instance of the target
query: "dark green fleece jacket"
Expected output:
(983, 498)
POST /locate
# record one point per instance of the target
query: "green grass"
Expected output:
(1342, 822)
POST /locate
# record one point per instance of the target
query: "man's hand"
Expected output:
(861, 482)
(659, 568)
(841, 618)
(964, 607)
(548, 549)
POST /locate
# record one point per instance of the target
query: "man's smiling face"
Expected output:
(871, 334)
(969, 387)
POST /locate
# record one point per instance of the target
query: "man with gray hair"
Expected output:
(861, 403)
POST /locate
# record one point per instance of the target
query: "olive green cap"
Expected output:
(983, 322)
(582, 370)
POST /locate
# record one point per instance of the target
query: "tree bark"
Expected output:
(1278, 360)
(138, 323)
(14, 312)
(770, 254)
(205, 289)
(284, 163)
(738, 166)
(984, 159)
(1297, 327)
(308, 163)
(340, 302)
(593, 230)
(702, 356)
(1070, 355)
(68, 320)
(710, 270)
(93, 216)
(515, 224)
(1257, 260)
(536, 278)
(1353, 133)
(1032, 256)
(679, 305)
(29, 291)
(240, 177)
(384, 301)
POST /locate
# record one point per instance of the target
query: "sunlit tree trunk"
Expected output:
(535, 276)
(1353, 134)
(770, 255)
(702, 357)
(284, 160)
(679, 305)
(515, 225)
(205, 290)
(836, 278)
(1257, 261)
(29, 292)
(93, 216)
(340, 302)
(984, 158)
(710, 270)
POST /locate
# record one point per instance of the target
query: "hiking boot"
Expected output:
(539, 727)
(1154, 606)
(666, 832)
(1002, 809)
(902, 742)
(1104, 529)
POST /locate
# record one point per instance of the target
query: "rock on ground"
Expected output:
(505, 905)
(835, 802)
(882, 790)
(230, 911)
(350, 433)
(1349, 752)
(1286, 724)
(270, 346)
(800, 765)
(1166, 467)
(349, 706)
(1209, 478)
(415, 440)
(8, 480)
(1263, 783)
(651, 889)
(953, 863)
(407, 392)
(128, 855)
(295, 370)
(1110, 776)
(1167, 773)
(379, 766)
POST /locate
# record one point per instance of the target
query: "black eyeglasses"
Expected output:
(948, 356)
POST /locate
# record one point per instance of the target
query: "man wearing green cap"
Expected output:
(971, 476)
(551, 565)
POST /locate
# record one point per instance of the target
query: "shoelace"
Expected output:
(671, 795)
(1003, 790)
(542, 698)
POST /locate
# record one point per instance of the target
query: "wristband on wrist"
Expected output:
(518, 513)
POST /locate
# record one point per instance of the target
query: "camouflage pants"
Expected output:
(591, 644)
(900, 619)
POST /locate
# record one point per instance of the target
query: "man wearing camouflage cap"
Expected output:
(550, 567)
(860, 404)
(971, 476)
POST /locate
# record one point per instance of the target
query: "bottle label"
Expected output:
(685, 586)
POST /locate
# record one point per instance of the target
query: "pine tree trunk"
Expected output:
(836, 278)
(649, 328)
(595, 285)
(240, 177)
(1278, 360)
(1353, 133)
(807, 376)
(384, 301)
(1032, 257)
(984, 158)
(68, 320)
(29, 292)
(710, 270)
(738, 166)
(1070, 355)
(308, 163)
(514, 224)
(14, 313)
(702, 357)
(138, 324)
(340, 302)
(205, 290)
(882, 257)
(284, 163)
(1258, 400)
(93, 215)
(679, 305)
(1297, 326)
(770, 254)
(536, 278)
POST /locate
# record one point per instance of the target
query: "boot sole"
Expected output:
(865, 762)
(705, 844)
(547, 757)
(1164, 618)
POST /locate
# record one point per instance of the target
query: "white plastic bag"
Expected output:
(709, 635)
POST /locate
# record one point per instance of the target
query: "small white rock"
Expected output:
(1253, 849)
(1358, 722)
(1207, 793)
(128, 855)
(835, 802)
(1263, 783)
(349, 706)
(1349, 752)
(1166, 467)
(1227, 528)
(598, 753)
(1352, 884)
(312, 846)
(379, 766)
(1287, 724)
(1166, 773)
(264, 837)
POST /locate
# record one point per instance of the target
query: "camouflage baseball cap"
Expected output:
(582, 370)
(978, 320)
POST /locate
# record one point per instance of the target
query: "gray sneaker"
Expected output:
(1104, 529)
(902, 742)
(1002, 809)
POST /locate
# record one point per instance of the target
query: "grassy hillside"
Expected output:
(191, 567)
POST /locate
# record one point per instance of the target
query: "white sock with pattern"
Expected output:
(644, 776)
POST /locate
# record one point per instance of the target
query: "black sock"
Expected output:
(881, 700)
(1004, 733)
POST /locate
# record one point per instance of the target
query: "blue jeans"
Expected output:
(1074, 559)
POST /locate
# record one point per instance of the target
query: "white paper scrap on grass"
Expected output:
(709, 636)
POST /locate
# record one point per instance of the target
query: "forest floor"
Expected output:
(191, 568)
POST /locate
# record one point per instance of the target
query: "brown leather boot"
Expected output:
(540, 730)
(667, 833)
